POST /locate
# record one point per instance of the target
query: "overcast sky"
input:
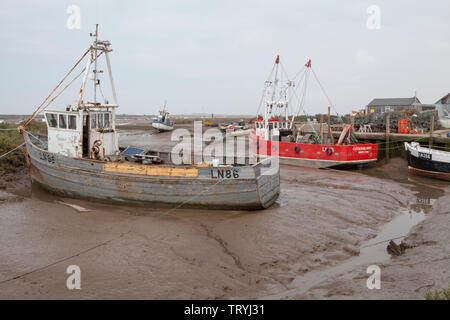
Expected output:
(214, 56)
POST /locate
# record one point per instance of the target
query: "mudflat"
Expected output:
(313, 243)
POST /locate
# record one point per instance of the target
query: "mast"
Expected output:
(271, 96)
(275, 81)
(95, 64)
(104, 47)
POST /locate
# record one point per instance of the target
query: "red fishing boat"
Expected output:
(276, 134)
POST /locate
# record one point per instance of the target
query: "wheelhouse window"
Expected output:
(52, 120)
(106, 122)
(100, 120)
(62, 121)
(72, 122)
(93, 121)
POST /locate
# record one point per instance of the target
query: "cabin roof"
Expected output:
(394, 102)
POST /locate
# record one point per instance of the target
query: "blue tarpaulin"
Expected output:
(129, 151)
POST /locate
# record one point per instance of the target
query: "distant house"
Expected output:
(444, 100)
(443, 109)
(379, 106)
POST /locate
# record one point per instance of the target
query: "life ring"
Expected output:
(329, 151)
(297, 149)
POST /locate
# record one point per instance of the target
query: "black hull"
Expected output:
(428, 168)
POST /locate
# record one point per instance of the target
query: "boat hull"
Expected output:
(162, 126)
(239, 188)
(315, 155)
(425, 162)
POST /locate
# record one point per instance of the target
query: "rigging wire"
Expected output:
(101, 92)
(331, 103)
(35, 113)
(68, 85)
(264, 89)
(301, 105)
(283, 70)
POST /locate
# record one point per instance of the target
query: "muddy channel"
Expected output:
(316, 242)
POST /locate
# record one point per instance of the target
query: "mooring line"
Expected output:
(62, 260)
(5, 154)
(374, 244)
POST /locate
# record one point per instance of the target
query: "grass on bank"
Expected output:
(438, 295)
(9, 139)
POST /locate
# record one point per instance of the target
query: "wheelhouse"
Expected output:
(88, 132)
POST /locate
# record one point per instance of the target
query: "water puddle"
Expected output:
(396, 230)
(373, 251)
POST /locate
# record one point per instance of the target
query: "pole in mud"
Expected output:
(388, 132)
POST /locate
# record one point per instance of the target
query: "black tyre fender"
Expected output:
(297, 149)
(329, 151)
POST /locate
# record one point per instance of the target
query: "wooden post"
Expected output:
(430, 143)
(330, 135)
(388, 133)
(321, 128)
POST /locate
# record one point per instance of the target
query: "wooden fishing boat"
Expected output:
(427, 162)
(81, 158)
(276, 135)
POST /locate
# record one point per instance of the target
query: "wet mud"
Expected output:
(314, 243)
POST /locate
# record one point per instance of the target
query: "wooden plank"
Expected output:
(128, 168)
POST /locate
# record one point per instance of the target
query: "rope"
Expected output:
(377, 243)
(34, 136)
(5, 154)
(36, 112)
(68, 85)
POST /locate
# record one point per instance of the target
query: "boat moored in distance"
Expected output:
(427, 162)
(163, 122)
(275, 134)
(82, 159)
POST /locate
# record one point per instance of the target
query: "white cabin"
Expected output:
(84, 133)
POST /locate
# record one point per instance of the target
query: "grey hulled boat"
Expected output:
(81, 158)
